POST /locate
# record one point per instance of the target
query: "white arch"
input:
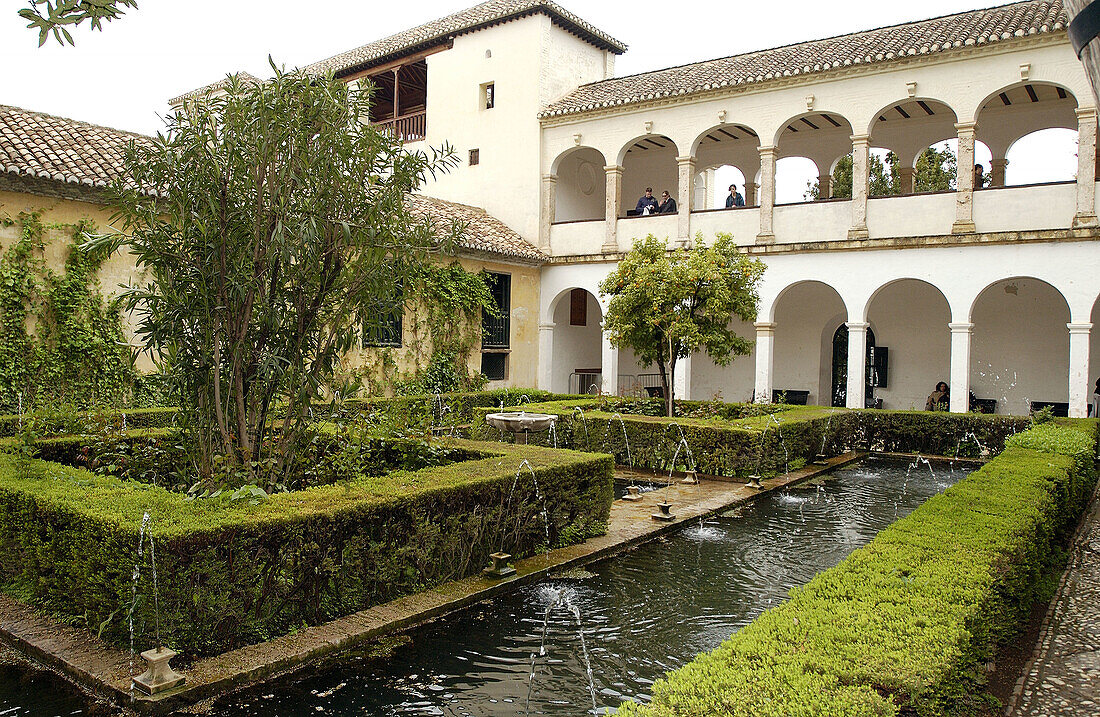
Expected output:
(866, 306)
(739, 127)
(1022, 277)
(556, 164)
(766, 312)
(621, 157)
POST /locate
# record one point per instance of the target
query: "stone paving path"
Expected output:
(1063, 679)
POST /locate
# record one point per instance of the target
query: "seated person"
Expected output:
(668, 204)
(734, 199)
(648, 203)
(940, 399)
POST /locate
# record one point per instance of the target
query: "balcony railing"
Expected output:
(407, 128)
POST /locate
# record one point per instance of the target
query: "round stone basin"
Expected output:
(520, 422)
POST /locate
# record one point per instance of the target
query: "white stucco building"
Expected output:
(993, 289)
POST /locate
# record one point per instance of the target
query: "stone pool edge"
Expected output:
(81, 657)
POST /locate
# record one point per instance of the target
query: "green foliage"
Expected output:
(77, 354)
(234, 572)
(935, 171)
(273, 226)
(666, 305)
(906, 624)
(66, 422)
(62, 13)
(1053, 438)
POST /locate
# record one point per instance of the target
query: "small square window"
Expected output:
(475, 157)
(488, 95)
(493, 366)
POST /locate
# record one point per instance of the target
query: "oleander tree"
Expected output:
(55, 17)
(265, 222)
(666, 304)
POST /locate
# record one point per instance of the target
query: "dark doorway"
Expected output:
(840, 366)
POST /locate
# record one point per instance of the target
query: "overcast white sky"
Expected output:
(124, 76)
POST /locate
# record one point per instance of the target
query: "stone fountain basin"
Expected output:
(520, 421)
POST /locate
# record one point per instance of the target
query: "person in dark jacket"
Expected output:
(668, 204)
(734, 199)
(648, 201)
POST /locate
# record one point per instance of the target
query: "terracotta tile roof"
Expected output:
(484, 233)
(923, 37)
(213, 87)
(484, 15)
(34, 144)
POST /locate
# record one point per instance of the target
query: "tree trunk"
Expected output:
(1090, 55)
(670, 387)
(665, 384)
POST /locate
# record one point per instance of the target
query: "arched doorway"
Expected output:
(577, 348)
(805, 315)
(840, 366)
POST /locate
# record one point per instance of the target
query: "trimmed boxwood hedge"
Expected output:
(62, 424)
(763, 445)
(232, 573)
(906, 624)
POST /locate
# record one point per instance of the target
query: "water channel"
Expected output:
(643, 613)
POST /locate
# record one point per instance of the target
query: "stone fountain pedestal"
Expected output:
(159, 675)
(521, 422)
(664, 512)
(754, 482)
(633, 493)
(500, 567)
(691, 478)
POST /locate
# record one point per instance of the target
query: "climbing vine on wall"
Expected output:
(61, 341)
(442, 331)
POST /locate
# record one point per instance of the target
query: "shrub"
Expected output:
(906, 624)
(233, 572)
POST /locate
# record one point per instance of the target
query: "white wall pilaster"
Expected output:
(546, 357)
(609, 366)
(964, 183)
(1086, 168)
(1079, 387)
(857, 364)
(549, 210)
(861, 153)
(614, 174)
(767, 196)
(765, 360)
(961, 334)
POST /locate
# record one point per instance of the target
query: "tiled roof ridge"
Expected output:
(563, 106)
(457, 23)
(81, 123)
(243, 75)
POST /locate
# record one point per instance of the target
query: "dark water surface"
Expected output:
(642, 614)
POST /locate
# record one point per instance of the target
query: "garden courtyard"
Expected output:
(290, 423)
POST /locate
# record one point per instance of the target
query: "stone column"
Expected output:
(750, 194)
(857, 364)
(1086, 168)
(708, 193)
(765, 358)
(686, 166)
(1079, 385)
(767, 196)
(960, 366)
(908, 176)
(964, 182)
(825, 186)
(682, 382)
(997, 168)
(549, 210)
(861, 157)
(611, 208)
(609, 364)
(546, 357)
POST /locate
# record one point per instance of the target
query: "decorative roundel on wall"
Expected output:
(586, 177)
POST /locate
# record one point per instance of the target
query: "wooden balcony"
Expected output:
(407, 128)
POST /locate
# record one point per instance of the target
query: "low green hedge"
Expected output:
(906, 624)
(60, 423)
(762, 444)
(233, 573)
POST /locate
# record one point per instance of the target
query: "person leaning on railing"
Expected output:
(734, 199)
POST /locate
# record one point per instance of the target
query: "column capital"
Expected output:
(613, 169)
(547, 327)
(861, 139)
(966, 127)
(961, 327)
(685, 160)
(1079, 328)
(549, 178)
(764, 326)
(766, 149)
(1085, 113)
(861, 326)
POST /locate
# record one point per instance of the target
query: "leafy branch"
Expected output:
(61, 13)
